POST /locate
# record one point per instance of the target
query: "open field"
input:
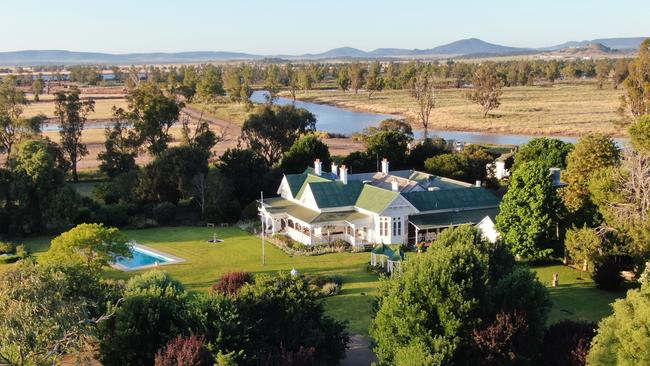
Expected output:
(568, 109)
(575, 298)
(235, 113)
(103, 107)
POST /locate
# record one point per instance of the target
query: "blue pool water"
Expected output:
(140, 258)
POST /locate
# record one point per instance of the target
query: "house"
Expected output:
(385, 207)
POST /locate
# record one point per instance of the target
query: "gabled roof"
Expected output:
(330, 194)
(375, 199)
(297, 181)
(394, 254)
(452, 218)
(446, 199)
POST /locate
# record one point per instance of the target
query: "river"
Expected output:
(339, 120)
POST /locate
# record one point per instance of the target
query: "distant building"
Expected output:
(385, 207)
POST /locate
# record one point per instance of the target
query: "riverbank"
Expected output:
(563, 109)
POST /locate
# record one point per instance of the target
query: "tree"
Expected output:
(37, 88)
(591, 153)
(13, 127)
(424, 93)
(391, 145)
(640, 134)
(343, 79)
(425, 150)
(305, 79)
(622, 337)
(271, 131)
(219, 203)
(72, 113)
(552, 153)
(552, 71)
(374, 80)
(487, 88)
(620, 71)
(200, 136)
(272, 82)
(427, 311)
(468, 166)
(567, 343)
(603, 68)
(155, 310)
(356, 74)
(44, 314)
(584, 245)
(185, 351)
(292, 79)
(529, 211)
(170, 176)
(92, 245)
(120, 148)
(294, 322)
(636, 100)
(246, 186)
(152, 114)
(303, 153)
(210, 84)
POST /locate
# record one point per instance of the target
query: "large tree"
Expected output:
(93, 246)
(487, 88)
(636, 100)
(433, 310)
(424, 92)
(13, 127)
(591, 153)
(152, 114)
(356, 75)
(374, 80)
(622, 337)
(550, 152)
(120, 147)
(391, 145)
(271, 131)
(530, 211)
(72, 113)
(303, 153)
(210, 85)
(272, 82)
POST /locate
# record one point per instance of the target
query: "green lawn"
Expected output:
(575, 298)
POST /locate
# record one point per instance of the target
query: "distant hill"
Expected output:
(613, 43)
(472, 47)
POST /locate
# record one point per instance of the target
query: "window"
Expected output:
(383, 226)
(397, 226)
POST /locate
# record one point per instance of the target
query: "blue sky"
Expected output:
(300, 26)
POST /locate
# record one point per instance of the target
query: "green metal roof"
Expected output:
(339, 216)
(297, 181)
(375, 199)
(445, 199)
(335, 194)
(303, 213)
(452, 218)
(394, 254)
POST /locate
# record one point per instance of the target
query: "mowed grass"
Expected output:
(575, 298)
(564, 108)
(231, 112)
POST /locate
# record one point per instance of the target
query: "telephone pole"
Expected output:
(263, 227)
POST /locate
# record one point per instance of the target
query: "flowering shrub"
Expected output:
(231, 282)
(186, 351)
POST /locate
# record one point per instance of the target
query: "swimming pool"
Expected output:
(144, 257)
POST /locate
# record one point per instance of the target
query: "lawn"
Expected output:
(575, 298)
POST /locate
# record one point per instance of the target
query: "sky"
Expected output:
(309, 26)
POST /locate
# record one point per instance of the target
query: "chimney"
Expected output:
(318, 167)
(384, 166)
(343, 173)
(394, 185)
(335, 169)
(478, 183)
(555, 176)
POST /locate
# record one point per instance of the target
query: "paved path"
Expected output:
(359, 353)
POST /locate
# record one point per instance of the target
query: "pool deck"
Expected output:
(172, 259)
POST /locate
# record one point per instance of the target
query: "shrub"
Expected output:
(330, 289)
(115, 215)
(21, 251)
(186, 351)
(164, 213)
(6, 259)
(6, 247)
(84, 215)
(607, 274)
(567, 343)
(231, 282)
(503, 341)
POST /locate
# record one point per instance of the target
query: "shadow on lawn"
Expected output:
(581, 302)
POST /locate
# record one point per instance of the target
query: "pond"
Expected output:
(344, 121)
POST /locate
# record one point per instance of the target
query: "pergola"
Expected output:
(386, 257)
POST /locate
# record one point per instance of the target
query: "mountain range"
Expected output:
(462, 48)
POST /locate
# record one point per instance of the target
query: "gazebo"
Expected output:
(386, 257)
